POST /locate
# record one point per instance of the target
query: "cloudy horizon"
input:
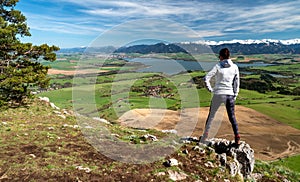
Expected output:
(73, 23)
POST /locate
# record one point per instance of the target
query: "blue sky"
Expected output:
(75, 23)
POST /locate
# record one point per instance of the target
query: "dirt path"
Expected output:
(269, 138)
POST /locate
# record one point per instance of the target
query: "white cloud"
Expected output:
(155, 29)
(265, 18)
(52, 24)
(142, 9)
(206, 18)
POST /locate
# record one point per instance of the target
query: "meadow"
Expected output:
(108, 95)
(282, 107)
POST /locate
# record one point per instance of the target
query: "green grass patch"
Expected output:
(290, 162)
(283, 108)
(61, 64)
(282, 113)
(62, 97)
(271, 170)
(252, 76)
(289, 68)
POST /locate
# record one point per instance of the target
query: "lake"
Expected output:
(171, 66)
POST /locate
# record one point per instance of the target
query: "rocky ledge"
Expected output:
(239, 159)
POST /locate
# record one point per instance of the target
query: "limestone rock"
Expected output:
(101, 120)
(170, 131)
(209, 164)
(176, 176)
(189, 139)
(222, 158)
(243, 156)
(45, 99)
(171, 162)
(199, 149)
(150, 137)
(54, 106)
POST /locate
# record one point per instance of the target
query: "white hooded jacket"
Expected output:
(227, 79)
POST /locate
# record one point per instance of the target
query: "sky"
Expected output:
(77, 23)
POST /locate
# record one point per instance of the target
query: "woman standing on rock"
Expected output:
(224, 92)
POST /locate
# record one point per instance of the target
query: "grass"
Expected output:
(32, 138)
(283, 108)
(271, 170)
(247, 97)
(128, 91)
(292, 68)
(62, 97)
(127, 88)
(61, 65)
(290, 162)
(282, 113)
(280, 58)
(280, 107)
(38, 145)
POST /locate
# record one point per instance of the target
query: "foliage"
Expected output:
(262, 84)
(296, 91)
(254, 84)
(275, 171)
(19, 66)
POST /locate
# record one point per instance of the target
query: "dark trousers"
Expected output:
(216, 115)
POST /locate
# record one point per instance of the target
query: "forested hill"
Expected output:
(238, 48)
(156, 48)
(261, 48)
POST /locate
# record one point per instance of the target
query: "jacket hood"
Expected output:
(226, 63)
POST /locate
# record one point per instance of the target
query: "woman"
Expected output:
(225, 92)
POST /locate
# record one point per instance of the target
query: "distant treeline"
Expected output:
(265, 83)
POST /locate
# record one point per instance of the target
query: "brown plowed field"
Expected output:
(269, 138)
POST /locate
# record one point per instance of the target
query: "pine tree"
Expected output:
(19, 62)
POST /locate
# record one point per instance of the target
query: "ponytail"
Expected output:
(224, 53)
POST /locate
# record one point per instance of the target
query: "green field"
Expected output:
(289, 69)
(61, 64)
(290, 162)
(269, 58)
(281, 112)
(282, 108)
(130, 88)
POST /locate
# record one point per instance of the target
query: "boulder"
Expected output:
(45, 99)
(239, 159)
(177, 176)
(54, 106)
(242, 155)
(171, 162)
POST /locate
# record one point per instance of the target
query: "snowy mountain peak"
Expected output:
(248, 41)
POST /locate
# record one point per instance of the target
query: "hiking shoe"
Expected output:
(237, 139)
(202, 139)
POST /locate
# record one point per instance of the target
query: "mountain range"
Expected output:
(265, 46)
